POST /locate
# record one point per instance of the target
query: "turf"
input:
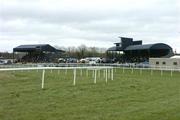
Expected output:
(130, 96)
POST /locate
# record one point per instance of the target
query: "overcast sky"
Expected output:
(91, 22)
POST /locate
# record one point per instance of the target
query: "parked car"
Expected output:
(3, 62)
(71, 60)
(143, 65)
(106, 60)
(61, 60)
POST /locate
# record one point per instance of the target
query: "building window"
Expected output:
(157, 63)
(174, 63)
(164, 63)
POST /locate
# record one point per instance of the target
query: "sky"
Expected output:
(94, 23)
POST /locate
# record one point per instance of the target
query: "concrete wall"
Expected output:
(165, 62)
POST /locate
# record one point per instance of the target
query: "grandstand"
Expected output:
(134, 51)
(37, 53)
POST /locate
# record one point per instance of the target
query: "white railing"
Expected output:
(107, 71)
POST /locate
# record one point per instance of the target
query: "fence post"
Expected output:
(74, 81)
(161, 72)
(106, 75)
(81, 72)
(87, 72)
(42, 84)
(95, 76)
(132, 71)
(151, 71)
(140, 71)
(92, 73)
(112, 76)
(66, 72)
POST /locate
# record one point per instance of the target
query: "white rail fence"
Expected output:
(152, 70)
(127, 65)
(108, 71)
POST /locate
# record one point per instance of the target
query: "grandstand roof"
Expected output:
(36, 47)
(141, 47)
(115, 48)
(148, 47)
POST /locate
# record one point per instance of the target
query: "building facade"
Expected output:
(171, 63)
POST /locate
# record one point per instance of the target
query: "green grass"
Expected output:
(130, 96)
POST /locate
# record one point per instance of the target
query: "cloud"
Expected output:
(91, 22)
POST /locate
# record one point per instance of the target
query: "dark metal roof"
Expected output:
(139, 47)
(148, 47)
(31, 46)
(36, 47)
(115, 49)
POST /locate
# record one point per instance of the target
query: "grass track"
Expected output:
(131, 96)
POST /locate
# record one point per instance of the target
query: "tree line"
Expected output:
(83, 51)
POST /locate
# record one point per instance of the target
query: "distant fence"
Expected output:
(126, 65)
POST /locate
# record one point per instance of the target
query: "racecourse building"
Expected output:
(128, 50)
(37, 53)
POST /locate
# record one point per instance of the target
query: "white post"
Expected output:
(95, 76)
(151, 71)
(132, 71)
(42, 85)
(104, 73)
(81, 72)
(66, 71)
(92, 73)
(106, 76)
(141, 71)
(161, 72)
(58, 71)
(99, 73)
(109, 73)
(74, 82)
(87, 72)
(171, 73)
(123, 70)
(112, 74)
(51, 70)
